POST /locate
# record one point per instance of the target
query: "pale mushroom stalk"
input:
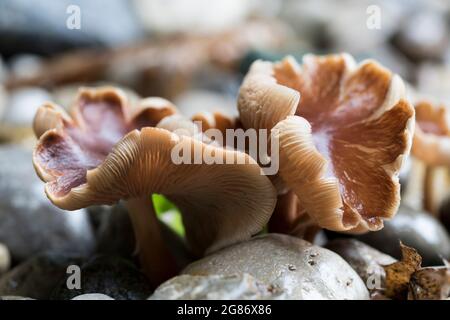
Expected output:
(414, 192)
(156, 260)
(436, 188)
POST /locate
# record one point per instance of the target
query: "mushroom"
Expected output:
(99, 156)
(342, 143)
(431, 142)
(215, 120)
(431, 152)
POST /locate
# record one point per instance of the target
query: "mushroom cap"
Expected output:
(341, 145)
(431, 142)
(181, 126)
(98, 156)
(215, 120)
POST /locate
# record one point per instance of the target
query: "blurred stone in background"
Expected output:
(195, 101)
(40, 26)
(36, 277)
(342, 25)
(433, 80)
(109, 275)
(194, 16)
(424, 34)
(23, 104)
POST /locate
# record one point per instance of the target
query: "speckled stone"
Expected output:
(302, 270)
(216, 287)
(109, 275)
(365, 260)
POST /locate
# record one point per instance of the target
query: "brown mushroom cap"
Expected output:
(181, 125)
(215, 120)
(431, 142)
(85, 160)
(431, 150)
(341, 146)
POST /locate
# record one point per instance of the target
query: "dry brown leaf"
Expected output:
(398, 274)
(431, 283)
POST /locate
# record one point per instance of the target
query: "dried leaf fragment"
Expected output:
(431, 283)
(398, 274)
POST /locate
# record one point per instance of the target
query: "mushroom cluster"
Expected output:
(343, 131)
(109, 150)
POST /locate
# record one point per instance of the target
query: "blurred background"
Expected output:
(194, 53)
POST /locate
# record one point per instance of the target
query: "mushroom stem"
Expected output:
(285, 213)
(157, 262)
(306, 228)
(436, 184)
(414, 192)
(290, 217)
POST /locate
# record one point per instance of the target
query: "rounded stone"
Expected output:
(365, 260)
(37, 277)
(93, 296)
(109, 275)
(23, 104)
(216, 287)
(302, 270)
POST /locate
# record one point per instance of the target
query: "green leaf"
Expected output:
(168, 213)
